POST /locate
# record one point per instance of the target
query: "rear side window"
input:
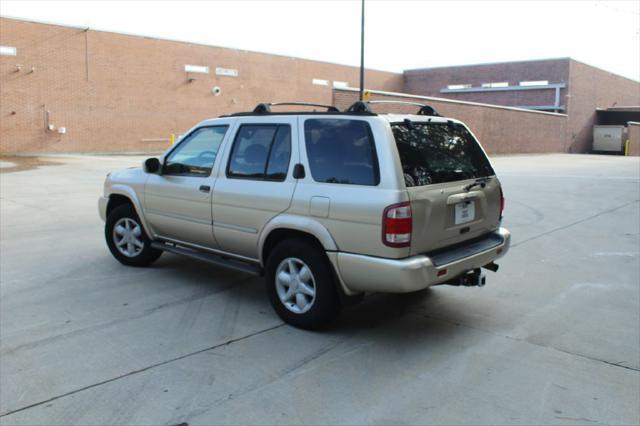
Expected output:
(261, 151)
(341, 151)
(438, 152)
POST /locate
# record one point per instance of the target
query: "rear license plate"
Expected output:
(465, 212)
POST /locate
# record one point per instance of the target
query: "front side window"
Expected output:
(261, 151)
(194, 156)
(438, 152)
(341, 151)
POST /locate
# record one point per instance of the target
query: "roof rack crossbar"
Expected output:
(265, 108)
(359, 107)
(362, 106)
(428, 110)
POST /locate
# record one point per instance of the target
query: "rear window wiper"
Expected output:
(482, 182)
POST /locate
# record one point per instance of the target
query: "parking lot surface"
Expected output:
(553, 338)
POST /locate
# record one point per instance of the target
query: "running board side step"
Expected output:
(219, 260)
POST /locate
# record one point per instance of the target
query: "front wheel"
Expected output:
(126, 238)
(300, 284)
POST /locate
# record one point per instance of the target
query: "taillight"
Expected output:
(396, 225)
(501, 203)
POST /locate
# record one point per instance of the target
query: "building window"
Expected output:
(8, 51)
(320, 82)
(229, 72)
(496, 84)
(340, 84)
(196, 69)
(458, 86)
(535, 83)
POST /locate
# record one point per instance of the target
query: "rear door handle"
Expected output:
(205, 188)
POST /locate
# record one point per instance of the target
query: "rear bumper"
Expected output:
(374, 274)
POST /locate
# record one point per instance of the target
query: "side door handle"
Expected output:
(205, 188)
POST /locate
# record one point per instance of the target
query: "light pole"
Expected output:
(362, 53)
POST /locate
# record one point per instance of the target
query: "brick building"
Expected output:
(557, 85)
(538, 85)
(113, 92)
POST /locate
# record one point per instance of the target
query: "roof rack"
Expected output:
(362, 107)
(265, 108)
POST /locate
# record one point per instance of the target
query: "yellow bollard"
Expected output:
(173, 138)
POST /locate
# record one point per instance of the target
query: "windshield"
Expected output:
(438, 152)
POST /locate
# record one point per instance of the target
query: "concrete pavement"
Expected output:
(554, 337)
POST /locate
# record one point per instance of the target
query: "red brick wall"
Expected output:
(501, 130)
(111, 91)
(591, 88)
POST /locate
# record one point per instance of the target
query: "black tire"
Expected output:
(325, 305)
(126, 214)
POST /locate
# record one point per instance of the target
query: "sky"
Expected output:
(399, 34)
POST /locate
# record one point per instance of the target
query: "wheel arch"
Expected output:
(286, 226)
(120, 195)
(116, 200)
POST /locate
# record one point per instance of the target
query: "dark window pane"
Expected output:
(341, 151)
(250, 151)
(438, 152)
(195, 155)
(280, 154)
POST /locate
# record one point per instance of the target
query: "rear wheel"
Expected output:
(300, 284)
(126, 238)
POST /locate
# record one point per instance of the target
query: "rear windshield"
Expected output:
(438, 152)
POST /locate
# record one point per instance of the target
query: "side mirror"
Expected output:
(151, 165)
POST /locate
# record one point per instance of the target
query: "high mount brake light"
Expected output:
(397, 225)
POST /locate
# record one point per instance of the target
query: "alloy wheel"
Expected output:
(127, 236)
(295, 285)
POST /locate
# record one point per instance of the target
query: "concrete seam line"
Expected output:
(196, 296)
(134, 372)
(517, 339)
(551, 231)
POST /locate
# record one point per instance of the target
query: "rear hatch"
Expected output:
(454, 193)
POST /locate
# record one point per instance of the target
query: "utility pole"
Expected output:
(362, 53)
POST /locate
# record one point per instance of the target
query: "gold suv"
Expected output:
(326, 205)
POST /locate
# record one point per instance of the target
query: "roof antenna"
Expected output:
(362, 53)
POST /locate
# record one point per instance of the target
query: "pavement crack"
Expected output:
(577, 419)
(540, 345)
(104, 325)
(141, 370)
(577, 222)
(614, 364)
(277, 376)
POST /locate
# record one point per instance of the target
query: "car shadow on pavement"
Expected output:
(379, 309)
(377, 313)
